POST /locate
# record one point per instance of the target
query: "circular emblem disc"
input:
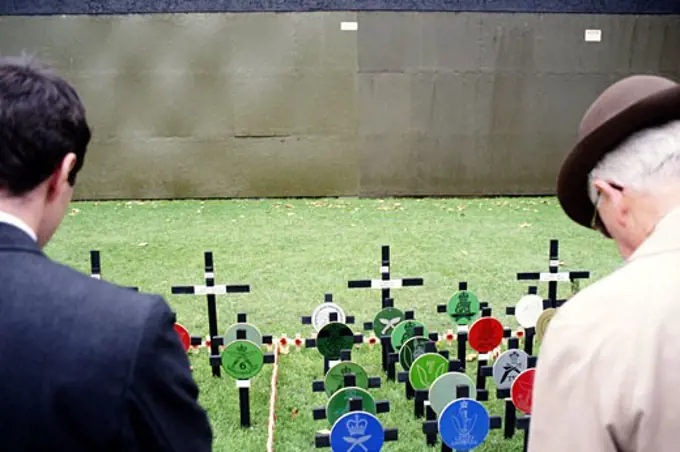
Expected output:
(386, 320)
(252, 333)
(405, 331)
(242, 359)
(464, 424)
(463, 307)
(426, 369)
(184, 336)
(335, 376)
(508, 366)
(543, 321)
(443, 390)
(485, 334)
(411, 350)
(357, 431)
(333, 338)
(528, 309)
(522, 389)
(338, 404)
(321, 315)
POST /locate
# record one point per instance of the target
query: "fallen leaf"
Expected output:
(288, 206)
(143, 244)
(525, 225)
(295, 412)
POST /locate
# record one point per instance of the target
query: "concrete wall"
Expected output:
(271, 104)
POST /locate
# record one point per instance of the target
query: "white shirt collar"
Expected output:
(18, 223)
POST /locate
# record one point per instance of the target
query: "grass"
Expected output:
(292, 252)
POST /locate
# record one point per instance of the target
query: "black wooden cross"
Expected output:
(553, 276)
(96, 267)
(462, 330)
(431, 429)
(385, 284)
(328, 298)
(391, 434)
(244, 385)
(210, 290)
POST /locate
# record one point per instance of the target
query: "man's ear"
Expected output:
(58, 182)
(617, 205)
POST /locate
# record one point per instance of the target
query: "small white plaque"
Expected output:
(215, 290)
(349, 26)
(463, 328)
(593, 35)
(392, 284)
(242, 383)
(546, 277)
(554, 263)
(384, 269)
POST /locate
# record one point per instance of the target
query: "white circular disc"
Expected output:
(321, 315)
(528, 310)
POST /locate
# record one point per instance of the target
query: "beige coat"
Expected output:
(608, 373)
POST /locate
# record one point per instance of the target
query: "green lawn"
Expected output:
(292, 252)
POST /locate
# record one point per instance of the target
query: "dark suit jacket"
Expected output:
(86, 365)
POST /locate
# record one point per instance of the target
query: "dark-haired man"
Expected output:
(84, 365)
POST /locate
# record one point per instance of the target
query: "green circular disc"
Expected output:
(338, 404)
(386, 320)
(443, 390)
(463, 307)
(426, 369)
(411, 350)
(335, 376)
(405, 331)
(333, 338)
(242, 359)
(252, 333)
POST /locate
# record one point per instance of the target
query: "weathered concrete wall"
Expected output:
(264, 104)
(486, 103)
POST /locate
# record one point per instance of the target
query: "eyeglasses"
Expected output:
(596, 223)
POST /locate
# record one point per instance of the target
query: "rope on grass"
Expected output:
(272, 400)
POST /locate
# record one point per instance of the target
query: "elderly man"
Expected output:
(607, 374)
(84, 365)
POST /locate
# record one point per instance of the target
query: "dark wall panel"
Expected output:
(472, 104)
(23, 7)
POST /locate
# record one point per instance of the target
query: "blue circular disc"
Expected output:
(357, 431)
(464, 424)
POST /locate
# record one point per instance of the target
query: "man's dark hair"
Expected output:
(41, 121)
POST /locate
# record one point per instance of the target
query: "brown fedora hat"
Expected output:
(626, 107)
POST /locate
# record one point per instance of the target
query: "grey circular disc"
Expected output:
(443, 390)
(508, 366)
(321, 315)
(252, 333)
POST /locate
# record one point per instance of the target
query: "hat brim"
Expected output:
(572, 181)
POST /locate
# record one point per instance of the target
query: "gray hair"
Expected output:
(644, 161)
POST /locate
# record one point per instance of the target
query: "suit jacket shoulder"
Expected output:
(90, 365)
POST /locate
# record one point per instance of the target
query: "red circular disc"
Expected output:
(184, 337)
(522, 389)
(485, 334)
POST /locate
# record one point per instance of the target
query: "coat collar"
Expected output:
(13, 238)
(664, 238)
